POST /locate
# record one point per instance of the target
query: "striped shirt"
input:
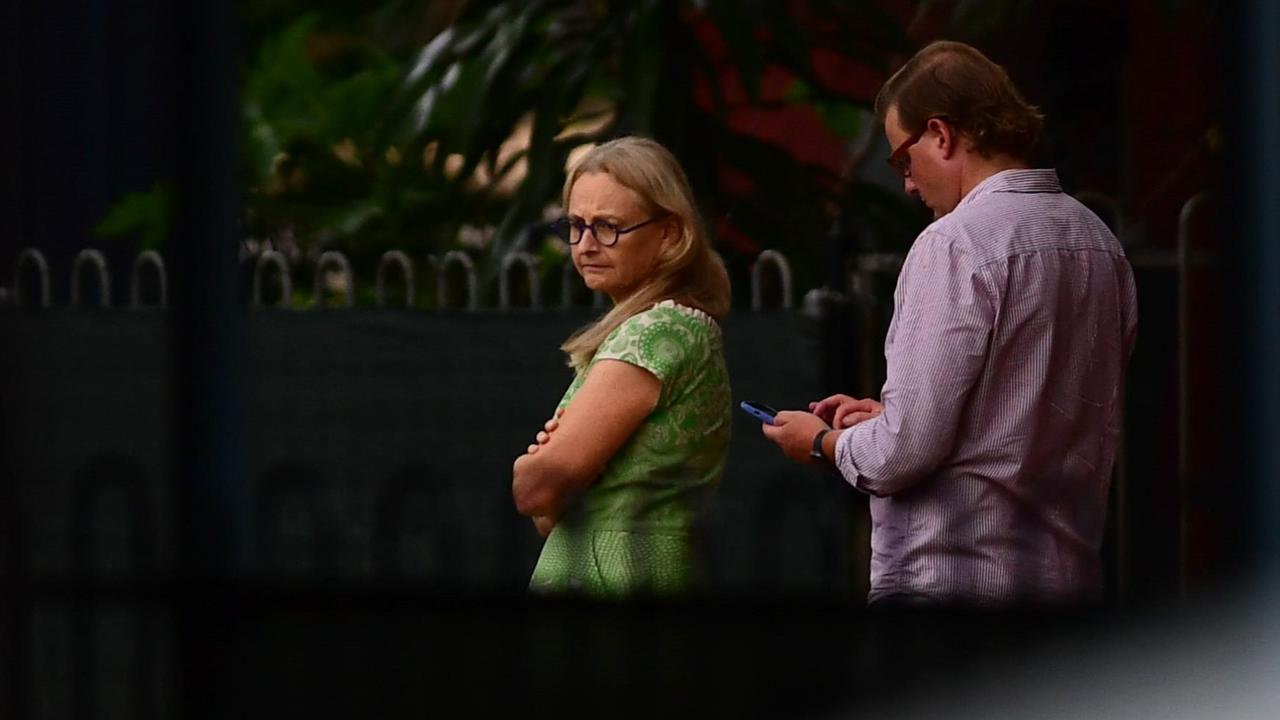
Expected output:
(1014, 316)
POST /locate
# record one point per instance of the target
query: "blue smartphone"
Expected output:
(759, 410)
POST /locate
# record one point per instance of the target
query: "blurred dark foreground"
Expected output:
(293, 651)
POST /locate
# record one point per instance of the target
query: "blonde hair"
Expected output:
(687, 270)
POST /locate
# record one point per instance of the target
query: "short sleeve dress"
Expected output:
(630, 532)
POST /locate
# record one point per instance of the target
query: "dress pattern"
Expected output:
(629, 532)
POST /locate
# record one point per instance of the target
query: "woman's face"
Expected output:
(620, 269)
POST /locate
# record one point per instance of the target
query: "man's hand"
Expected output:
(793, 431)
(842, 411)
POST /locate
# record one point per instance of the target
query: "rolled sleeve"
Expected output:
(935, 352)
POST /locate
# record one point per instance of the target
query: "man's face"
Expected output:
(928, 167)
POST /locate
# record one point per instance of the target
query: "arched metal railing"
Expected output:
(95, 258)
(388, 259)
(530, 264)
(778, 261)
(1189, 211)
(145, 258)
(273, 257)
(31, 255)
(336, 259)
(457, 257)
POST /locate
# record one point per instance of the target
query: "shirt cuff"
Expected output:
(845, 459)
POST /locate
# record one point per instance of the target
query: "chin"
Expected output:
(596, 285)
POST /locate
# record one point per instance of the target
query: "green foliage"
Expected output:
(147, 216)
(396, 124)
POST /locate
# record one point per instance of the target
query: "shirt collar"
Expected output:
(1016, 181)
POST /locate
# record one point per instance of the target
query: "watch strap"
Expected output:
(816, 451)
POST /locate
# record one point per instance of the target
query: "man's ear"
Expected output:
(948, 138)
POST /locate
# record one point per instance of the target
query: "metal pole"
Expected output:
(1252, 216)
(1189, 211)
(209, 334)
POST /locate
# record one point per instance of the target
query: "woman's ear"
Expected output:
(672, 234)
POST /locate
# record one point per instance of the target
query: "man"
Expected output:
(989, 454)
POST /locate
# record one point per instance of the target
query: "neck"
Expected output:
(978, 168)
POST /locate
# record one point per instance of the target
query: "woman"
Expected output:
(640, 437)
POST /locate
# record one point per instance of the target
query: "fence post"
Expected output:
(147, 257)
(779, 261)
(89, 255)
(504, 285)
(469, 268)
(42, 267)
(389, 258)
(273, 257)
(332, 257)
(1188, 211)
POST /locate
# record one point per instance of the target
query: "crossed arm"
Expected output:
(611, 405)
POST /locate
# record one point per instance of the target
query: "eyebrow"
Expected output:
(607, 217)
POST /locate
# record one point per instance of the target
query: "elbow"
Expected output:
(538, 489)
(531, 500)
(896, 478)
(530, 496)
(530, 504)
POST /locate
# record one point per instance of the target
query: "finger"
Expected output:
(533, 449)
(552, 424)
(770, 431)
(854, 418)
(843, 416)
(827, 406)
(559, 412)
(542, 438)
(824, 405)
(783, 418)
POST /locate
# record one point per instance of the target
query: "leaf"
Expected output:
(148, 214)
(845, 119)
(348, 219)
(738, 29)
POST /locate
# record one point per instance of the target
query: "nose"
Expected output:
(588, 232)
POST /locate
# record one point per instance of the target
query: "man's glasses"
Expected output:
(571, 230)
(899, 159)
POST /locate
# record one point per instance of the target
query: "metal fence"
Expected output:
(90, 484)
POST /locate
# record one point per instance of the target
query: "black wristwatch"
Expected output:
(816, 452)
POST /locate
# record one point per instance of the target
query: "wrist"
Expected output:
(818, 449)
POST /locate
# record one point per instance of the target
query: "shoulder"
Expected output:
(661, 338)
(668, 314)
(944, 243)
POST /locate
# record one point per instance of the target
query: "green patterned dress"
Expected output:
(630, 532)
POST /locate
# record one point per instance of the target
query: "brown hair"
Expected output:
(687, 270)
(957, 82)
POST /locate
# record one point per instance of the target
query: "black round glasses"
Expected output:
(607, 233)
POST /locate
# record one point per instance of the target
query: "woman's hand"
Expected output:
(842, 411)
(613, 401)
(545, 524)
(544, 436)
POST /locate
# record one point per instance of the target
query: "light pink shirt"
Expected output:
(1014, 317)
